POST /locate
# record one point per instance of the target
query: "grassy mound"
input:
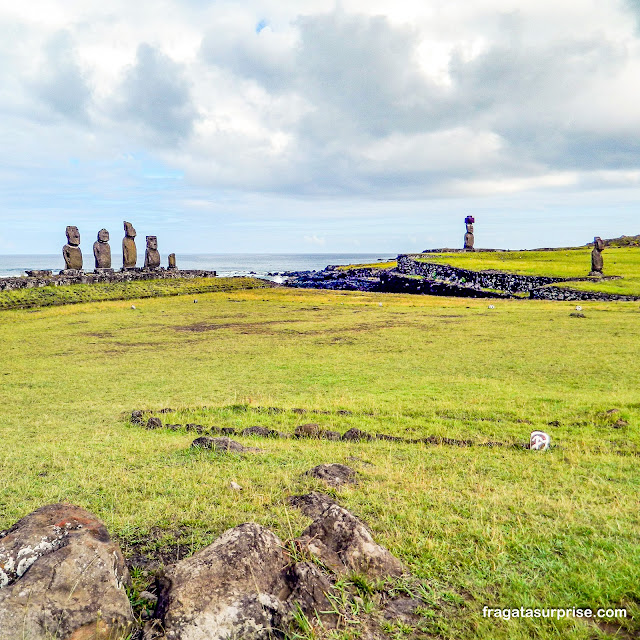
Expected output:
(71, 294)
(476, 525)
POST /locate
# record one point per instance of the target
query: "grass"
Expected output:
(72, 294)
(477, 526)
(569, 263)
(391, 264)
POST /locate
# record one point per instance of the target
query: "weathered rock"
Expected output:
(257, 431)
(335, 475)
(310, 430)
(357, 435)
(39, 273)
(222, 444)
(172, 261)
(228, 431)
(330, 435)
(384, 436)
(102, 250)
(229, 589)
(61, 576)
(129, 251)
(313, 504)
(343, 543)
(137, 417)
(238, 587)
(71, 251)
(154, 423)
(309, 588)
(151, 256)
(597, 263)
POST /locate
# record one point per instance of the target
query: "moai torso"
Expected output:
(152, 257)
(597, 263)
(172, 261)
(129, 252)
(71, 251)
(102, 250)
(468, 237)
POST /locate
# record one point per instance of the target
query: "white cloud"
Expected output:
(365, 100)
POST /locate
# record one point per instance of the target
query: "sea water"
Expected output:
(225, 264)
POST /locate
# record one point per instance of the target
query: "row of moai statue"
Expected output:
(597, 263)
(102, 251)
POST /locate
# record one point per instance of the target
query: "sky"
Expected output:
(275, 126)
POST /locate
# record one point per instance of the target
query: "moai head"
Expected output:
(129, 231)
(103, 235)
(598, 243)
(152, 242)
(73, 236)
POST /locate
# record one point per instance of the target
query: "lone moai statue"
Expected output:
(151, 256)
(597, 263)
(102, 250)
(71, 251)
(172, 261)
(468, 237)
(129, 253)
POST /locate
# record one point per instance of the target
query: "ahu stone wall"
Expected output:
(46, 279)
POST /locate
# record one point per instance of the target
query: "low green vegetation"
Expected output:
(51, 296)
(562, 263)
(477, 526)
(390, 264)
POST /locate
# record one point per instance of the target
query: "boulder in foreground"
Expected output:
(61, 576)
(238, 587)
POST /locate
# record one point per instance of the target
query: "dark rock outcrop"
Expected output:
(61, 576)
(222, 444)
(154, 423)
(313, 504)
(310, 430)
(343, 543)
(335, 475)
(356, 435)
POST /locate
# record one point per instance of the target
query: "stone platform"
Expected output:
(43, 279)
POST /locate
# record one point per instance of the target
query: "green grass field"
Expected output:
(477, 526)
(52, 296)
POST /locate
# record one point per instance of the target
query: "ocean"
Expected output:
(226, 264)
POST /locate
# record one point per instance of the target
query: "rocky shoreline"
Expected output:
(414, 275)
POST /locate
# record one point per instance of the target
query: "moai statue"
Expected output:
(172, 261)
(597, 262)
(102, 251)
(152, 257)
(468, 237)
(129, 253)
(71, 251)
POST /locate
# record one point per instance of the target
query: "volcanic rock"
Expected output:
(62, 576)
